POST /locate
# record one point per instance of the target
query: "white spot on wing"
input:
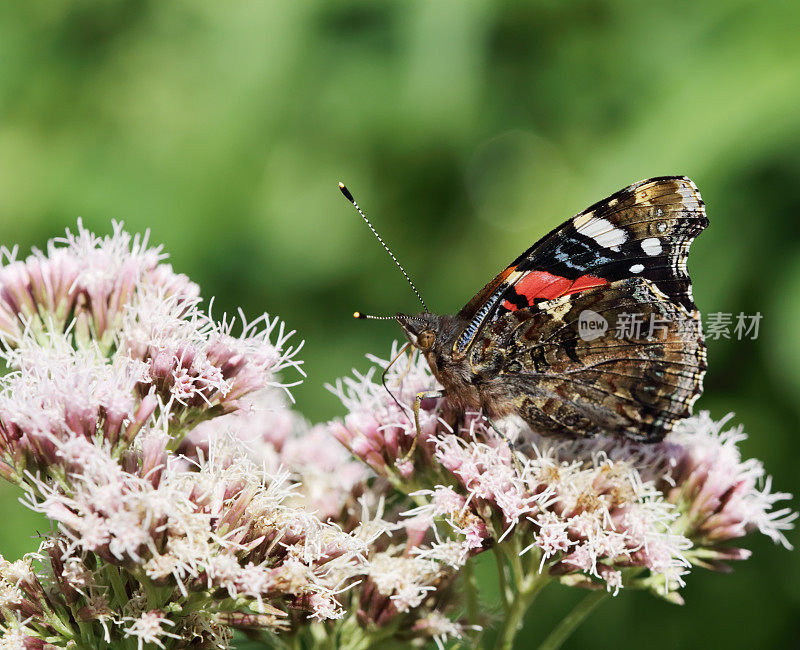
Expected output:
(557, 307)
(637, 268)
(688, 191)
(601, 230)
(662, 227)
(651, 246)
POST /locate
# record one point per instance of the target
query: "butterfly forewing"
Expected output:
(643, 230)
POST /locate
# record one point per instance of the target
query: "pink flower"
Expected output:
(113, 362)
(83, 277)
(275, 437)
(591, 506)
(377, 429)
(149, 628)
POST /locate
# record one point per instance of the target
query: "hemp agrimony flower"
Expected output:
(600, 513)
(112, 362)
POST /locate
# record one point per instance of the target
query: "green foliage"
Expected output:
(466, 129)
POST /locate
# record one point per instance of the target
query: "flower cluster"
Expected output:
(586, 520)
(112, 363)
(221, 525)
(334, 484)
(405, 583)
(197, 363)
(83, 281)
(717, 495)
(151, 351)
(378, 427)
(590, 511)
(406, 588)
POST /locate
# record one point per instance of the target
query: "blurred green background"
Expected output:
(466, 129)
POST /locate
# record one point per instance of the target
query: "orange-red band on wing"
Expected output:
(541, 285)
(585, 282)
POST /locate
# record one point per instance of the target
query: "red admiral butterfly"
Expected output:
(537, 341)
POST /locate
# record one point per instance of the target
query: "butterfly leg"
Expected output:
(426, 394)
(510, 443)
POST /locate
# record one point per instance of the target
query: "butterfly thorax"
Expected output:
(435, 337)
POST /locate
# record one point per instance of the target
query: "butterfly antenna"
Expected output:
(350, 198)
(362, 315)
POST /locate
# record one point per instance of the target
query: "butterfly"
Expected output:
(592, 330)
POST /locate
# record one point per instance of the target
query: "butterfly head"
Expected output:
(420, 329)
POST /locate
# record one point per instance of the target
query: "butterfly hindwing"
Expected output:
(563, 379)
(643, 230)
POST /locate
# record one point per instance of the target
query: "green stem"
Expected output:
(517, 566)
(512, 622)
(505, 593)
(117, 585)
(572, 620)
(368, 639)
(86, 632)
(471, 593)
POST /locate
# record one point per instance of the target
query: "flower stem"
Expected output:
(512, 622)
(117, 585)
(505, 593)
(471, 593)
(571, 621)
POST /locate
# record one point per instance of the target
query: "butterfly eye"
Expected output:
(426, 339)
